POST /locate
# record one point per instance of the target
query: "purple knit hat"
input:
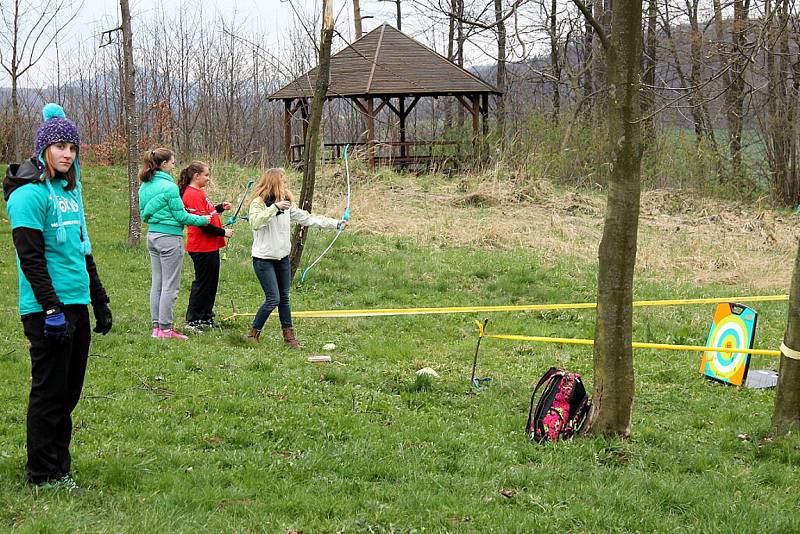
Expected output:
(55, 128)
(58, 128)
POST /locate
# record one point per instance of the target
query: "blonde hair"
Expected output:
(271, 187)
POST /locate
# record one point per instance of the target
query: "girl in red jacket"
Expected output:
(202, 244)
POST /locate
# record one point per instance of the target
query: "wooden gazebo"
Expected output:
(386, 68)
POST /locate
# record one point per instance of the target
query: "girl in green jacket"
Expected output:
(162, 209)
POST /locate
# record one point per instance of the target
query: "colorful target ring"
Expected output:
(733, 327)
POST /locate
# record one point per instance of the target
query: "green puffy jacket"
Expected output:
(161, 207)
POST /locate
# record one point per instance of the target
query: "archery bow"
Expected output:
(235, 217)
(345, 218)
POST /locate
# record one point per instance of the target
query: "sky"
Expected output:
(266, 17)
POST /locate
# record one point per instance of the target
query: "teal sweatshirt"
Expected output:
(32, 206)
(161, 207)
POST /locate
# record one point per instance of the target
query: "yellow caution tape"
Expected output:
(319, 314)
(635, 345)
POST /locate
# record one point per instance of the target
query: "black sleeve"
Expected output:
(219, 208)
(213, 230)
(96, 290)
(30, 250)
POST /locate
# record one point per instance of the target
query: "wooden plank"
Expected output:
(411, 105)
(375, 60)
(287, 129)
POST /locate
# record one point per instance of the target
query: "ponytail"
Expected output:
(152, 162)
(195, 167)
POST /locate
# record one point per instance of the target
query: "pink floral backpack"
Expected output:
(561, 410)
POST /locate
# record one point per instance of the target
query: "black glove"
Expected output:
(56, 328)
(102, 317)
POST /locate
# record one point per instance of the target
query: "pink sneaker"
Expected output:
(171, 333)
(156, 332)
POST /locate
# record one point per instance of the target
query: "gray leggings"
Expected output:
(166, 261)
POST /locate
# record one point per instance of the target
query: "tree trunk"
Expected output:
(703, 129)
(786, 415)
(131, 127)
(613, 354)
(451, 33)
(779, 134)
(14, 149)
(555, 63)
(399, 16)
(736, 93)
(599, 72)
(357, 18)
(588, 54)
(312, 137)
(649, 76)
(460, 37)
(500, 110)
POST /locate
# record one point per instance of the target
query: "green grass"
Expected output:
(218, 435)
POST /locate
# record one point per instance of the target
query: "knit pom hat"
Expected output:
(57, 128)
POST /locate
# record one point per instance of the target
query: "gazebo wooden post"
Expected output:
(485, 113)
(401, 108)
(485, 120)
(304, 114)
(287, 130)
(371, 131)
(476, 115)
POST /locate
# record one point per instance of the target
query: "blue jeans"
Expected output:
(275, 277)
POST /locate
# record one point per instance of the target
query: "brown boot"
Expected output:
(253, 335)
(289, 339)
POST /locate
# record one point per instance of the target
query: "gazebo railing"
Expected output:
(386, 153)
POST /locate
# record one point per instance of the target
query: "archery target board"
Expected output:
(733, 326)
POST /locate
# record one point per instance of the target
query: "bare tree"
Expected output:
(357, 18)
(28, 30)
(693, 84)
(735, 52)
(613, 354)
(649, 75)
(555, 62)
(779, 132)
(398, 13)
(131, 126)
(313, 135)
(500, 78)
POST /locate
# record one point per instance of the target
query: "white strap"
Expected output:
(790, 353)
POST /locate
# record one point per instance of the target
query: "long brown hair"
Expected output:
(152, 162)
(195, 167)
(270, 187)
(50, 169)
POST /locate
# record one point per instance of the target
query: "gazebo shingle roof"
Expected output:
(388, 62)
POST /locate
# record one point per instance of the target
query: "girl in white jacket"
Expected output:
(271, 213)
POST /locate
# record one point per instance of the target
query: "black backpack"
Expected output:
(561, 410)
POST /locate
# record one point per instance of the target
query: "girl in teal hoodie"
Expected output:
(162, 209)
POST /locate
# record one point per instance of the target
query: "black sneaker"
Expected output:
(196, 327)
(210, 324)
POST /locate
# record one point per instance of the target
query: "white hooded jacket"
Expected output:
(272, 231)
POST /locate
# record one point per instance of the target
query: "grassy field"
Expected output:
(218, 435)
